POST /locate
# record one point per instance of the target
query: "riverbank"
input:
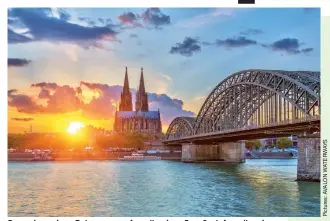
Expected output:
(71, 156)
(80, 156)
(268, 155)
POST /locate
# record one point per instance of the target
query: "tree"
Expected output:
(283, 142)
(13, 141)
(17, 141)
(136, 140)
(252, 144)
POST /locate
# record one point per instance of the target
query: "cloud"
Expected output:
(235, 42)
(15, 38)
(151, 18)
(18, 62)
(207, 43)
(78, 91)
(290, 46)
(88, 20)
(22, 118)
(97, 22)
(11, 21)
(23, 103)
(59, 99)
(104, 105)
(44, 25)
(252, 31)
(187, 48)
(45, 85)
(306, 50)
(101, 20)
(216, 15)
(155, 18)
(61, 14)
(65, 99)
(130, 18)
(169, 108)
(11, 91)
(44, 94)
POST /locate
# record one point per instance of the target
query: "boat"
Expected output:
(42, 156)
(139, 156)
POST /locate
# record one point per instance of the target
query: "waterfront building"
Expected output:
(294, 140)
(142, 120)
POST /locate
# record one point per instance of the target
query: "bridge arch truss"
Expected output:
(180, 127)
(259, 97)
(253, 98)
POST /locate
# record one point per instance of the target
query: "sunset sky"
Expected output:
(68, 65)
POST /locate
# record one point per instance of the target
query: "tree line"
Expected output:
(65, 141)
(281, 142)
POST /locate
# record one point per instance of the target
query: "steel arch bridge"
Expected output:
(180, 127)
(253, 99)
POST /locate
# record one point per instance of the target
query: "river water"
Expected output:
(160, 188)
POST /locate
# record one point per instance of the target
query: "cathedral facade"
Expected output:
(141, 120)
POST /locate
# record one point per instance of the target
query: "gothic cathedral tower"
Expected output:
(141, 103)
(126, 96)
(141, 120)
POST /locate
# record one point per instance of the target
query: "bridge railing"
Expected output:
(251, 127)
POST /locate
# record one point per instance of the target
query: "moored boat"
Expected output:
(42, 156)
(30, 155)
(139, 156)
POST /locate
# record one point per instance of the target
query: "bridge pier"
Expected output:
(308, 159)
(226, 152)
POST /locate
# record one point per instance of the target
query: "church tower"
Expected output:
(129, 121)
(126, 96)
(141, 103)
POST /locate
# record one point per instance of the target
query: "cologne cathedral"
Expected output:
(141, 120)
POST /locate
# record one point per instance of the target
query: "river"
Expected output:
(160, 188)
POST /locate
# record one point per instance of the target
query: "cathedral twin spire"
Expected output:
(141, 103)
(126, 96)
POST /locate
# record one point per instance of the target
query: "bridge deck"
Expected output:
(276, 130)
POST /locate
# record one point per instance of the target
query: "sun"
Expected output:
(74, 127)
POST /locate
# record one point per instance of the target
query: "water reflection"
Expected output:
(159, 188)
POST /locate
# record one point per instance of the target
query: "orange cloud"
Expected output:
(100, 105)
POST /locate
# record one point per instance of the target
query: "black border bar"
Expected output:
(246, 1)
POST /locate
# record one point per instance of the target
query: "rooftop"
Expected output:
(131, 114)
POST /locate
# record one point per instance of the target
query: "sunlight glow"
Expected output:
(74, 127)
